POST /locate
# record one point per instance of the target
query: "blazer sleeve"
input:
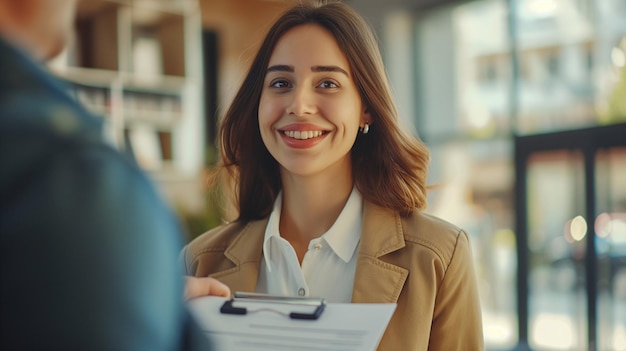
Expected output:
(457, 320)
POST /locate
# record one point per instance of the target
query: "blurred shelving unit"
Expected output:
(138, 64)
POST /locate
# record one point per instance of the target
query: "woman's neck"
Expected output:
(311, 206)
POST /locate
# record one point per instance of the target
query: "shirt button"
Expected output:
(301, 292)
(317, 247)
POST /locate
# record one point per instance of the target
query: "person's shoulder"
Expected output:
(216, 239)
(38, 127)
(223, 247)
(62, 149)
(434, 233)
(38, 105)
(54, 119)
(38, 153)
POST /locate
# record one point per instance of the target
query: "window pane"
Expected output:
(610, 230)
(464, 74)
(484, 67)
(571, 56)
(556, 244)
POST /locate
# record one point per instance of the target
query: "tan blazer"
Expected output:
(422, 263)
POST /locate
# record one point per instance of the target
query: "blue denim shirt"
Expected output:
(88, 249)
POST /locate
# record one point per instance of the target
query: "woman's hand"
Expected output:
(197, 287)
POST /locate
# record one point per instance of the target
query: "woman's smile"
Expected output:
(302, 136)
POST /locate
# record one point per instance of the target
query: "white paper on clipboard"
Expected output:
(341, 327)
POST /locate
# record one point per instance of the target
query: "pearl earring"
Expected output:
(365, 129)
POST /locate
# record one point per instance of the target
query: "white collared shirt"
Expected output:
(328, 266)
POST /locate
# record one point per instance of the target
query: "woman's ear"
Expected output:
(366, 117)
(366, 121)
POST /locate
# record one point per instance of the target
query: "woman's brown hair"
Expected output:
(389, 166)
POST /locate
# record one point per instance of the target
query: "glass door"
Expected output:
(571, 239)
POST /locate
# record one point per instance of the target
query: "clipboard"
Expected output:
(295, 307)
(345, 326)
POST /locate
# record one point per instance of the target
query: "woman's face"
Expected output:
(310, 109)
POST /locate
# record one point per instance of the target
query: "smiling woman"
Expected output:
(308, 90)
(330, 190)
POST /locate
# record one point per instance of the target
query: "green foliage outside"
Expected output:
(616, 111)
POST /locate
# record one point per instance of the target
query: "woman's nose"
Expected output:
(302, 102)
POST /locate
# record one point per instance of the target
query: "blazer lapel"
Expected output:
(245, 252)
(377, 281)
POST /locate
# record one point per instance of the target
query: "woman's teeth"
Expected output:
(302, 135)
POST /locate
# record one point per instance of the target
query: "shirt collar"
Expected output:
(342, 237)
(272, 230)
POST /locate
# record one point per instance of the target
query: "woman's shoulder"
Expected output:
(223, 247)
(434, 233)
(226, 235)
(216, 239)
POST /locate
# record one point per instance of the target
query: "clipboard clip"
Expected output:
(300, 306)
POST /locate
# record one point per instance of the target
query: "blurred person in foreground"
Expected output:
(331, 191)
(89, 251)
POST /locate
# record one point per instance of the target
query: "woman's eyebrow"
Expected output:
(288, 68)
(280, 68)
(329, 69)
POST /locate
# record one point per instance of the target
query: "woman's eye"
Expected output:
(328, 84)
(279, 84)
